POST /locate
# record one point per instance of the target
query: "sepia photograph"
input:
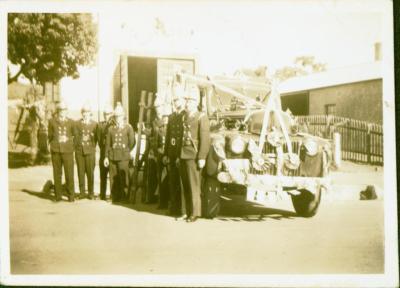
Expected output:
(198, 144)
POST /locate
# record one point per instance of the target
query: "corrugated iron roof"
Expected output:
(333, 77)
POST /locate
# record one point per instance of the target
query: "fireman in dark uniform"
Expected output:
(150, 174)
(195, 146)
(120, 141)
(102, 129)
(159, 133)
(61, 140)
(85, 151)
(173, 144)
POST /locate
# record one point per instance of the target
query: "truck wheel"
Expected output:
(210, 202)
(306, 204)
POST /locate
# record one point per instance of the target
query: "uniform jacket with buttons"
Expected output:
(102, 129)
(196, 136)
(157, 139)
(61, 135)
(85, 137)
(119, 142)
(173, 139)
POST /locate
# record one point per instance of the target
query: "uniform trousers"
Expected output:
(163, 188)
(119, 180)
(60, 160)
(85, 164)
(174, 184)
(103, 177)
(191, 182)
(151, 180)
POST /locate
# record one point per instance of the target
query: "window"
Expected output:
(330, 109)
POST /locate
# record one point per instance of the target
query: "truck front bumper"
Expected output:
(238, 173)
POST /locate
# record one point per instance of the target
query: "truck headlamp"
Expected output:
(238, 145)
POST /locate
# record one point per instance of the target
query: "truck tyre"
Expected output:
(306, 204)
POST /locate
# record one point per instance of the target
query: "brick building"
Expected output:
(353, 92)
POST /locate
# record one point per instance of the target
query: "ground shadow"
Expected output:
(47, 196)
(233, 208)
(143, 207)
(39, 194)
(236, 208)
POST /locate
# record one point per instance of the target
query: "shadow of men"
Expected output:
(141, 206)
(237, 209)
(47, 192)
(233, 208)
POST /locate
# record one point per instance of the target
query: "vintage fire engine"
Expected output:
(256, 145)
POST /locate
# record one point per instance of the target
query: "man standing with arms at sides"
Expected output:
(61, 140)
(195, 146)
(159, 132)
(120, 140)
(102, 129)
(173, 144)
(85, 151)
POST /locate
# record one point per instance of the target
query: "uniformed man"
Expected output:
(173, 146)
(85, 151)
(61, 140)
(195, 146)
(120, 141)
(102, 129)
(159, 133)
(150, 172)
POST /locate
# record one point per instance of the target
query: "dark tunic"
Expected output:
(119, 143)
(61, 135)
(196, 136)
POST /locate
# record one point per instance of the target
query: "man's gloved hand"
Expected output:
(201, 163)
(106, 162)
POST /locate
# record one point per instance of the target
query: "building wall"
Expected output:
(362, 100)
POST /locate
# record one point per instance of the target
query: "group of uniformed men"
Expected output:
(181, 148)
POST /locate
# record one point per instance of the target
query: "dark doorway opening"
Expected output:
(297, 103)
(142, 73)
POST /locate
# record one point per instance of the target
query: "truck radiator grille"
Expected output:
(271, 169)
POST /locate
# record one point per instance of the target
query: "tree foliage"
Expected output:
(303, 65)
(49, 46)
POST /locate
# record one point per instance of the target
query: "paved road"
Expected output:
(96, 237)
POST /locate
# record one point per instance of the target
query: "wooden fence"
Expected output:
(360, 141)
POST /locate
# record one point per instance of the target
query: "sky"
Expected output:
(228, 37)
(225, 37)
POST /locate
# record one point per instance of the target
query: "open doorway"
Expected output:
(297, 103)
(142, 73)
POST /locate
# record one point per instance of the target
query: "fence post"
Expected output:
(337, 152)
(369, 144)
